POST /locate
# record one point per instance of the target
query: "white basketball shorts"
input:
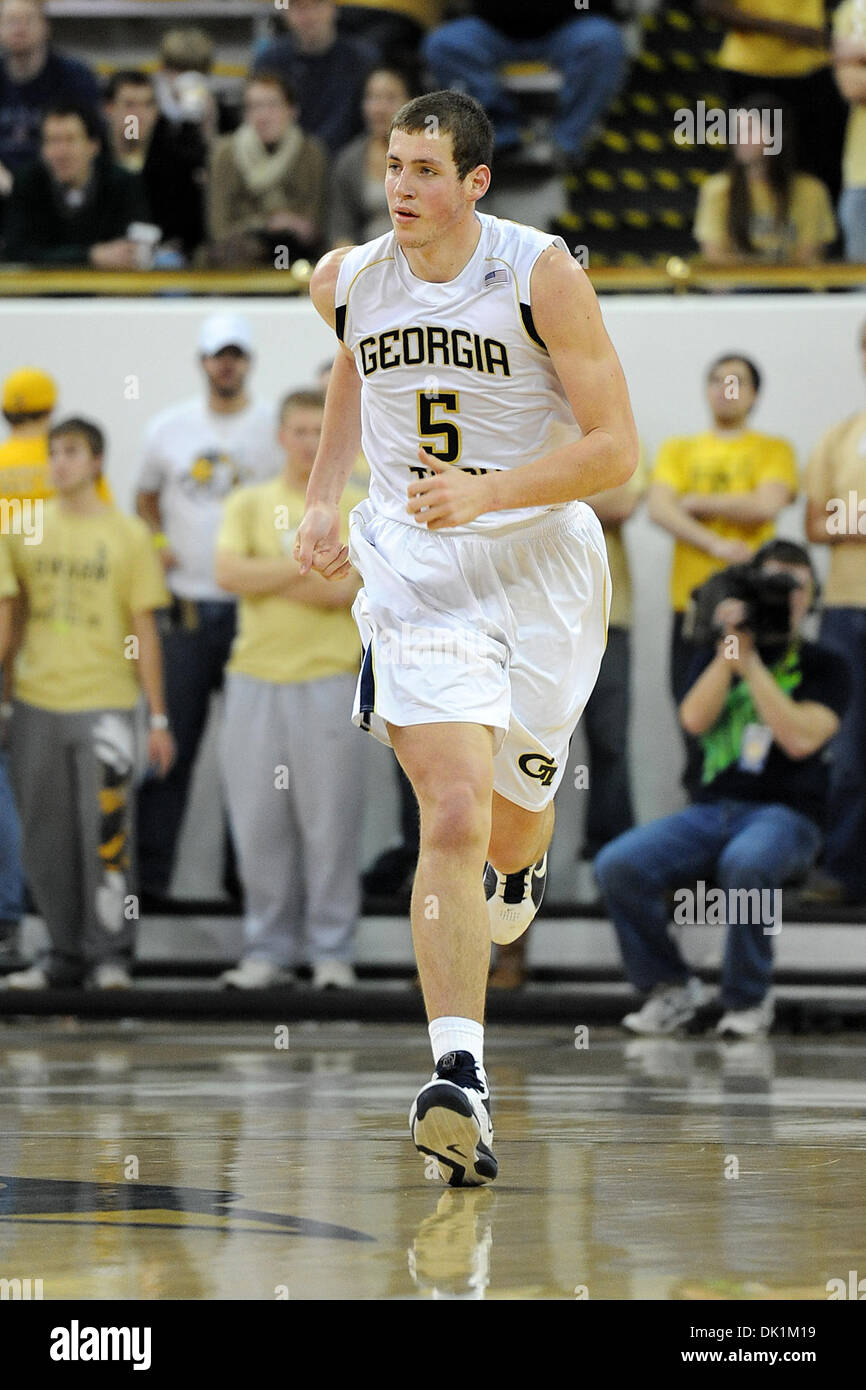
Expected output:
(505, 630)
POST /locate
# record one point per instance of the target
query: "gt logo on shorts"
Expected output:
(536, 765)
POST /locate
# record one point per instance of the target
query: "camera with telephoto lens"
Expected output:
(765, 597)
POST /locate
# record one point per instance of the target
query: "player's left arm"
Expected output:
(568, 320)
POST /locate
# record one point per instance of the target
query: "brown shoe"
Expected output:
(821, 888)
(510, 969)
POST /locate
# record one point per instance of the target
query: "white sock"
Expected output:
(457, 1035)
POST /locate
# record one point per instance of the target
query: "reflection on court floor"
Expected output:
(256, 1162)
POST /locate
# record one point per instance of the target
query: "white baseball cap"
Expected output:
(222, 331)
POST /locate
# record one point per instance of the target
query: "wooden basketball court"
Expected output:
(262, 1161)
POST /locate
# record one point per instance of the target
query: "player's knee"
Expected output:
(455, 817)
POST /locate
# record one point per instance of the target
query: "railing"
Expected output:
(677, 276)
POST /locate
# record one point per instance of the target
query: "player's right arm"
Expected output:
(318, 544)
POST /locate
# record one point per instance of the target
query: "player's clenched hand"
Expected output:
(318, 545)
(450, 498)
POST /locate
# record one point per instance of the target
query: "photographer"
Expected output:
(763, 704)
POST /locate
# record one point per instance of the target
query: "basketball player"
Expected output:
(470, 347)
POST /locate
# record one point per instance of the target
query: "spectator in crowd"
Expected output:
(326, 71)
(718, 493)
(291, 771)
(849, 30)
(29, 396)
(835, 486)
(33, 76)
(587, 48)
(73, 207)
(784, 46)
(764, 716)
(359, 205)
(89, 651)
(268, 183)
(169, 155)
(761, 209)
(394, 27)
(194, 454)
(182, 81)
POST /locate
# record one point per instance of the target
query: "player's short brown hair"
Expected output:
(308, 399)
(85, 429)
(454, 114)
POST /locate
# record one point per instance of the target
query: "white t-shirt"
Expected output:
(456, 366)
(193, 459)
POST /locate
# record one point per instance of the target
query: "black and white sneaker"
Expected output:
(513, 899)
(450, 1121)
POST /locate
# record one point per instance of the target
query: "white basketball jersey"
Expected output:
(458, 368)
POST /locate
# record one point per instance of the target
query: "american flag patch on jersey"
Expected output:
(495, 277)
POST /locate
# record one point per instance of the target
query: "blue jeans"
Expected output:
(739, 844)
(11, 872)
(852, 219)
(844, 629)
(605, 725)
(589, 51)
(197, 639)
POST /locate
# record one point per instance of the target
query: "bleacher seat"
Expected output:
(633, 202)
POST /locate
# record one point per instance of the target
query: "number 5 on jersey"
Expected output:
(443, 433)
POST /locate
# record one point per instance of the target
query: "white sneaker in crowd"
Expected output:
(255, 974)
(333, 974)
(669, 1007)
(32, 978)
(748, 1023)
(110, 976)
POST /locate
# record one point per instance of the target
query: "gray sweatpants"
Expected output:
(291, 765)
(73, 776)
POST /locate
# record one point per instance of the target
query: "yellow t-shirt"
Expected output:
(848, 21)
(837, 469)
(279, 639)
(768, 55)
(707, 463)
(83, 582)
(620, 575)
(810, 217)
(24, 470)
